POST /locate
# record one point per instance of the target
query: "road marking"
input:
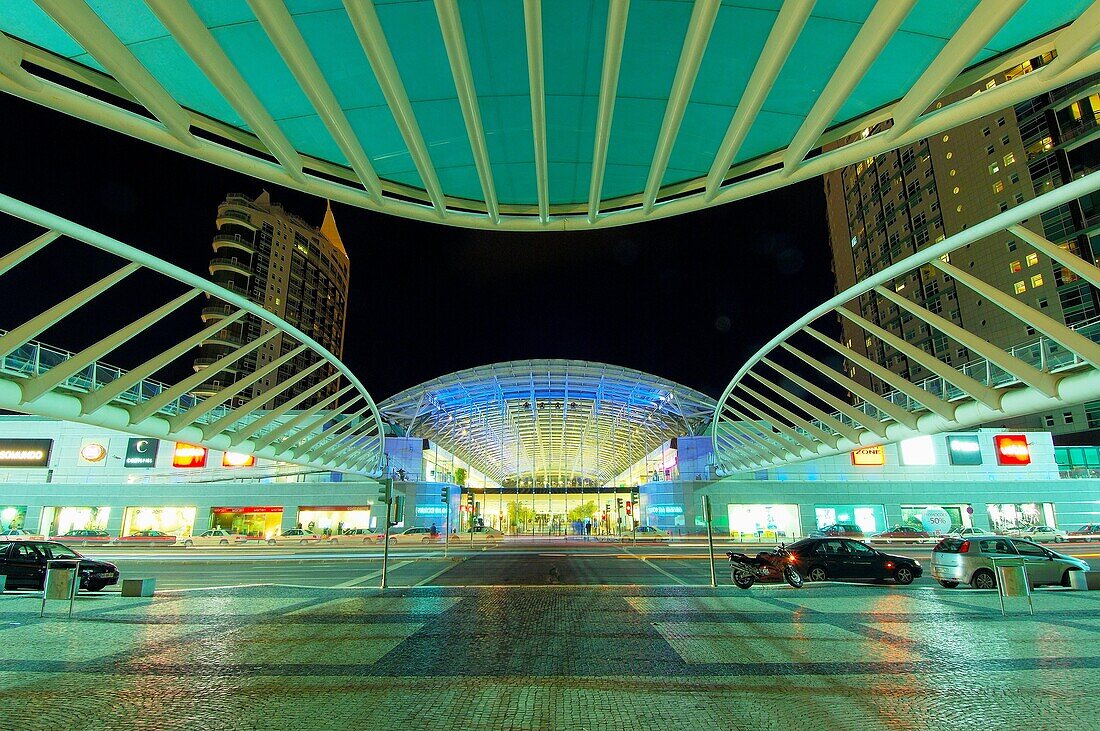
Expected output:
(443, 570)
(658, 569)
(373, 575)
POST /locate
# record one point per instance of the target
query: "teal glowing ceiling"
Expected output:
(683, 71)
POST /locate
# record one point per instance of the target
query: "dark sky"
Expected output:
(687, 298)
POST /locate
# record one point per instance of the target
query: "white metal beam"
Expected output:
(257, 403)
(815, 433)
(308, 446)
(699, 29)
(15, 257)
(788, 26)
(454, 39)
(959, 52)
(865, 420)
(1089, 272)
(87, 29)
(787, 432)
(772, 442)
(188, 29)
(1076, 40)
(288, 41)
(364, 18)
(617, 11)
(281, 430)
(11, 65)
(532, 23)
(828, 420)
(877, 30)
(248, 430)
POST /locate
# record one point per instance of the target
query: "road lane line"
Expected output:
(443, 570)
(373, 575)
(658, 569)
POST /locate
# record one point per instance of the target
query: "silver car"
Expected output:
(968, 560)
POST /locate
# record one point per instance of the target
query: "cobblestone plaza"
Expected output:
(555, 657)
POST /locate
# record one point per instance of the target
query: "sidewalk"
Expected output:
(829, 656)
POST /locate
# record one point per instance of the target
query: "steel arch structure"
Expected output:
(553, 420)
(341, 431)
(788, 405)
(530, 116)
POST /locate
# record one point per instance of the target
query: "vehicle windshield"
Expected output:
(56, 550)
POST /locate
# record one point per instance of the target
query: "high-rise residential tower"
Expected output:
(294, 270)
(885, 208)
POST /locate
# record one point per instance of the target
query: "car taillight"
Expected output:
(964, 547)
(889, 564)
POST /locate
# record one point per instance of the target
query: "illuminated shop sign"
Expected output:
(188, 455)
(92, 452)
(964, 450)
(25, 452)
(236, 459)
(249, 509)
(665, 510)
(918, 451)
(1012, 449)
(141, 452)
(869, 456)
(427, 510)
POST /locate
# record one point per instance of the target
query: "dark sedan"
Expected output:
(24, 563)
(842, 559)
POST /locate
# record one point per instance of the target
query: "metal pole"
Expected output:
(447, 524)
(710, 540)
(386, 540)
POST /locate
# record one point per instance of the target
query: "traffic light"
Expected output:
(470, 501)
(619, 500)
(628, 507)
(384, 491)
(443, 497)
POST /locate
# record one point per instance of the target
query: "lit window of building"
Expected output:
(1037, 281)
(1019, 287)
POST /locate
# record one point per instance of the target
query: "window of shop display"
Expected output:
(764, 522)
(869, 518)
(936, 519)
(255, 521)
(179, 522)
(334, 519)
(57, 521)
(12, 516)
(1007, 516)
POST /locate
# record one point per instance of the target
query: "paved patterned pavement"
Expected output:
(828, 656)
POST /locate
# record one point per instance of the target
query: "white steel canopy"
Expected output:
(553, 420)
(530, 115)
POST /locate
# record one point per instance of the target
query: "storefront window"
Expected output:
(255, 521)
(12, 516)
(869, 518)
(936, 519)
(59, 521)
(1005, 516)
(764, 522)
(334, 519)
(180, 522)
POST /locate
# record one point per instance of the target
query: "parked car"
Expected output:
(1088, 532)
(24, 563)
(148, 538)
(902, 534)
(821, 559)
(477, 533)
(365, 535)
(213, 537)
(969, 532)
(651, 533)
(1044, 534)
(296, 535)
(424, 535)
(1014, 531)
(839, 530)
(84, 537)
(958, 560)
(18, 534)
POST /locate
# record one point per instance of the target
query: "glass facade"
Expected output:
(764, 522)
(12, 516)
(57, 521)
(869, 518)
(179, 522)
(254, 521)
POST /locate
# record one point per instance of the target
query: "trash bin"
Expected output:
(1012, 581)
(1078, 581)
(62, 582)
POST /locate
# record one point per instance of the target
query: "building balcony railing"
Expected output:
(206, 362)
(231, 265)
(216, 312)
(233, 240)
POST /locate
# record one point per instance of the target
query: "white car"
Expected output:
(213, 537)
(421, 535)
(297, 535)
(358, 535)
(969, 532)
(652, 533)
(1044, 534)
(18, 534)
(479, 533)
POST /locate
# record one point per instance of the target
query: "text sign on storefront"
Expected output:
(1012, 449)
(423, 510)
(665, 510)
(25, 452)
(249, 509)
(869, 456)
(964, 450)
(141, 453)
(188, 455)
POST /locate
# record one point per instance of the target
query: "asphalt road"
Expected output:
(520, 562)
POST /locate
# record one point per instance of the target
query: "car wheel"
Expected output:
(271, 541)
(1058, 539)
(948, 584)
(302, 542)
(333, 540)
(903, 575)
(223, 542)
(188, 544)
(983, 579)
(817, 573)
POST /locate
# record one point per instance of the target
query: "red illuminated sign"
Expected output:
(188, 455)
(235, 459)
(249, 509)
(1012, 449)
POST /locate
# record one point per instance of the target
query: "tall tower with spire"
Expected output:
(292, 269)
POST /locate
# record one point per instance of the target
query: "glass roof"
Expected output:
(549, 419)
(376, 89)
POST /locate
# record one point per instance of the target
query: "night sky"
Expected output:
(687, 298)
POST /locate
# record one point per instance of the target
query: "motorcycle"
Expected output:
(767, 566)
